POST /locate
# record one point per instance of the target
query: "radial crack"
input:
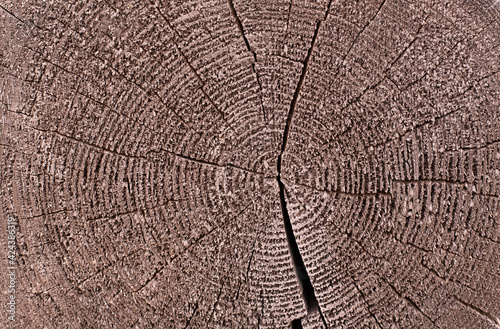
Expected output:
(298, 262)
(247, 44)
(191, 67)
(240, 27)
(310, 300)
(293, 104)
(479, 311)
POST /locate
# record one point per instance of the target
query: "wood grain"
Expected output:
(251, 164)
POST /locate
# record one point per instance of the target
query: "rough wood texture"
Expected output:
(251, 164)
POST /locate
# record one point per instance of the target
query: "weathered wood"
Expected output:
(251, 164)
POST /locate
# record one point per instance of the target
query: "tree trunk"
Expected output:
(250, 164)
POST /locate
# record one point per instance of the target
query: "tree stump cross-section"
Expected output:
(250, 164)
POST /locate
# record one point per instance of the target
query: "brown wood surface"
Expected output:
(251, 164)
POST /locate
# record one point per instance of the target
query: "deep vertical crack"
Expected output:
(299, 86)
(300, 268)
(308, 294)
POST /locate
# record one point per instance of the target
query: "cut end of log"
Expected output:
(250, 164)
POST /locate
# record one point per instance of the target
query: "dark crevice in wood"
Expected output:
(358, 35)
(299, 85)
(432, 121)
(293, 104)
(296, 324)
(308, 294)
(479, 311)
(418, 309)
(202, 83)
(300, 268)
(105, 267)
